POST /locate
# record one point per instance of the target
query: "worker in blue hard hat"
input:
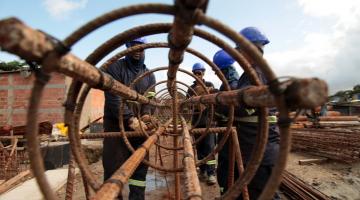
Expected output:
(225, 63)
(255, 36)
(246, 121)
(115, 152)
(199, 120)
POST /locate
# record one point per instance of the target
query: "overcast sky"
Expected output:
(308, 38)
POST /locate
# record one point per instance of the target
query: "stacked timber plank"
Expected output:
(294, 188)
(334, 140)
(11, 183)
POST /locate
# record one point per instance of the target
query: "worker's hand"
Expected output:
(134, 123)
(146, 118)
(213, 91)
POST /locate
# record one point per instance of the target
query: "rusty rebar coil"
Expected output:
(178, 44)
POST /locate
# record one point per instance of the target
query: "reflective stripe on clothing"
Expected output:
(250, 111)
(254, 119)
(137, 183)
(211, 162)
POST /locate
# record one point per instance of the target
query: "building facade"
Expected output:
(15, 90)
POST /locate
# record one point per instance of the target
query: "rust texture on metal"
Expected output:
(180, 36)
(38, 47)
(239, 162)
(19, 39)
(335, 143)
(295, 188)
(140, 134)
(172, 105)
(70, 179)
(192, 184)
(111, 188)
(314, 93)
(231, 164)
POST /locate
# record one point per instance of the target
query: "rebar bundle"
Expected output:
(296, 189)
(173, 106)
(342, 144)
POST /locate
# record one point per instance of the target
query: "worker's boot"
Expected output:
(202, 176)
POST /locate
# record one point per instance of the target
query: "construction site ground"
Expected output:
(336, 180)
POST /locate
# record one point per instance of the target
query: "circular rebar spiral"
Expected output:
(174, 106)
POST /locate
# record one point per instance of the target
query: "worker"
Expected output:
(115, 152)
(247, 121)
(225, 63)
(199, 120)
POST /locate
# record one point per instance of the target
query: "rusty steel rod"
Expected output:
(160, 28)
(175, 140)
(255, 158)
(239, 161)
(180, 36)
(70, 179)
(116, 15)
(302, 93)
(35, 156)
(140, 134)
(31, 45)
(72, 119)
(112, 187)
(296, 188)
(192, 184)
(69, 64)
(231, 163)
(177, 188)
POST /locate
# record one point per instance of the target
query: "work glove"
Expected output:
(150, 122)
(134, 124)
(146, 118)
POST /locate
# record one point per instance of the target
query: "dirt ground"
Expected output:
(159, 185)
(337, 180)
(156, 187)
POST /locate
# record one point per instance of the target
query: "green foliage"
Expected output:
(11, 66)
(356, 88)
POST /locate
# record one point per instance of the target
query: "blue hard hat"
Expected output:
(198, 66)
(223, 59)
(141, 40)
(254, 35)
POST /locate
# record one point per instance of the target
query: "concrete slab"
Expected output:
(30, 190)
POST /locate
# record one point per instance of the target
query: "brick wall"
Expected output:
(15, 91)
(93, 107)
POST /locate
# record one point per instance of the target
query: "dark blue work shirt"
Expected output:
(125, 72)
(249, 131)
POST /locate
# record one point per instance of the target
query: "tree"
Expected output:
(356, 88)
(11, 66)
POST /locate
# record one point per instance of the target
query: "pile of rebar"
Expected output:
(294, 188)
(342, 144)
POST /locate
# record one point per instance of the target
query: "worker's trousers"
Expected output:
(203, 149)
(261, 177)
(115, 153)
